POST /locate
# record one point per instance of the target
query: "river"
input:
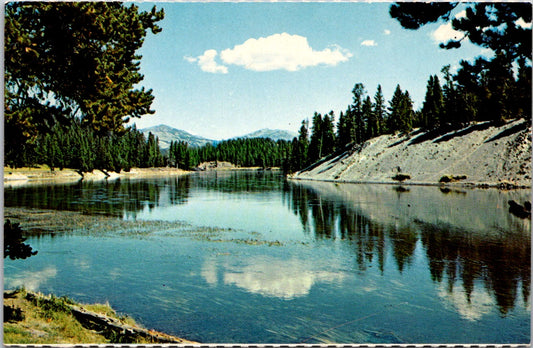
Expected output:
(248, 257)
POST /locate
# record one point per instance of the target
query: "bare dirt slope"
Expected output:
(484, 153)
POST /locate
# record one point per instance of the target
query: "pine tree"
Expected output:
(328, 134)
(401, 112)
(369, 119)
(356, 122)
(343, 130)
(433, 106)
(380, 111)
(315, 145)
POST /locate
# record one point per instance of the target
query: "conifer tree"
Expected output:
(380, 111)
(369, 119)
(401, 112)
(316, 143)
(328, 134)
(432, 108)
(356, 122)
(343, 130)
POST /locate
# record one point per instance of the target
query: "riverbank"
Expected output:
(44, 175)
(34, 318)
(480, 155)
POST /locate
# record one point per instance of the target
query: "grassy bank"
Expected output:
(31, 318)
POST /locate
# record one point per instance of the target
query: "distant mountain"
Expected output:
(166, 134)
(274, 134)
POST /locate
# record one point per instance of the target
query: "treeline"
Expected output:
(363, 119)
(243, 152)
(487, 90)
(75, 146)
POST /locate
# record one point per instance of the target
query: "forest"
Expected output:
(69, 90)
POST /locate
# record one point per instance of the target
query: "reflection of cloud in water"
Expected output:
(209, 272)
(81, 264)
(268, 276)
(480, 303)
(31, 280)
(115, 273)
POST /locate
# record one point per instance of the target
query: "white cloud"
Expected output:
(445, 32)
(461, 14)
(522, 23)
(207, 63)
(281, 52)
(369, 43)
(386, 32)
(275, 52)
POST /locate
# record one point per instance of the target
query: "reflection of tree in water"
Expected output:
(239, 181)
(502, 262)
(108, 197)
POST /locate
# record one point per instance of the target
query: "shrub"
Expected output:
(451, 178)
(401, 177)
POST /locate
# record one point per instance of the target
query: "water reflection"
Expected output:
(114, 198)
(270, 276)
(31, 280)
(476, 252)
(483, 243)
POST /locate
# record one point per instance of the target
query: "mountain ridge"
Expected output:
(166, 134)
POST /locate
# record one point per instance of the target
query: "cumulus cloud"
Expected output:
(523, 24)
(461, 14)
(207, 62)
(369, 43)
(445, 33)
(275, 52)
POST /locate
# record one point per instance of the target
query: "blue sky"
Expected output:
(221, 70)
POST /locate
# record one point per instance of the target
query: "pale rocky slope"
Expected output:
(485, 154)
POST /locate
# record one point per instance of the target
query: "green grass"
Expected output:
(48, 320)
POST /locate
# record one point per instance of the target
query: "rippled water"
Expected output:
(266, 260)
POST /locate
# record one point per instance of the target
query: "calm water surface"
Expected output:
(265, 260)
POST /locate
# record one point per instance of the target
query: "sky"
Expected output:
(221, 70)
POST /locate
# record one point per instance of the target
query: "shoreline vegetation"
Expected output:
(480, 155)
(42, 174)
(35, 318)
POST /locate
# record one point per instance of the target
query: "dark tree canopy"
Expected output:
(413, 15)
(75, 59)
(14, 246)
(494, 25)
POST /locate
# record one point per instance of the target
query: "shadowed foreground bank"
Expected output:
(33, 318)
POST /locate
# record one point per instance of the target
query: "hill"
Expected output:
(166, 134)
(478, 154)
(274, 134)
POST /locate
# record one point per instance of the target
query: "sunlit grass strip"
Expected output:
(39, 319)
